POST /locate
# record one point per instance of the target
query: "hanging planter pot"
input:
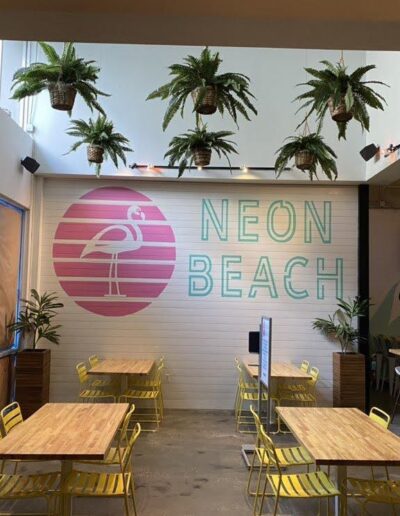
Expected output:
(208, 104)
(95, 154)
(304, 160)
(339, 113)
(62, 95)
(202, 157)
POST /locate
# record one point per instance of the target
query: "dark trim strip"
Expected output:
(363, 280)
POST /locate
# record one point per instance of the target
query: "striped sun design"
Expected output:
(114, 251)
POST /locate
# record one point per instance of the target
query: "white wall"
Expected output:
(385, 127)
(198, 335)
(15, 144)
(10, 60)
(131, 72)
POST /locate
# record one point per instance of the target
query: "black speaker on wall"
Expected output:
(30, 164)
(369, 151)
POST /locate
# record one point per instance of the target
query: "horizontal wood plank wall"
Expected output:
(199, 335)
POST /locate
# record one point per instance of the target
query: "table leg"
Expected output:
(341, 501)
(66, 501)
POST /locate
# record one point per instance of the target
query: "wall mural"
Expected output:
(114, 251)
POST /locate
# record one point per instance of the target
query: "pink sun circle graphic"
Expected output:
(114, 251)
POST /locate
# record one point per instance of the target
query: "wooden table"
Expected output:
(122, 368)
(279, 370)
(395, 351)
(342, 437)
(65, 432)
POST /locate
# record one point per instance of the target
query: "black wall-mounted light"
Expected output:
(369, 151)
(30, 164)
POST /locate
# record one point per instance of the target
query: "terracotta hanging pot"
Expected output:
(202, 157)
(208, 105)
(304, 159)
(62, 96)
(95, 154)
(339, 113)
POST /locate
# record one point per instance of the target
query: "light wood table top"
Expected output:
(65, 431)
(342, 436)
(395, 351)
(280, 370)
(122, 366)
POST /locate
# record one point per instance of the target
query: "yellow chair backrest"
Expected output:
(124, 430)
(93, 360)
(158, 373)
(270, 456)
(258, 424)
(380, 417)
(314, 373)
(305, 366)
(127, 454)
(82, 373)
(11, 416)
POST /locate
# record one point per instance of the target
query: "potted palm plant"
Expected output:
(197, 146)
(309, 151)
(346, 95)
(35, 323)
(63, 76)
(199, 78)
(348, 365)
(101, 140)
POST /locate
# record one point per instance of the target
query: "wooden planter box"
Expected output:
(32, 379)
(349, 380)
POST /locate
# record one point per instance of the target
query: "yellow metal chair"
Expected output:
(100, 383)
(243, 386)
(152, 395)
(315, 485)
(287, 457)
(374, 491)
(87, 392)
(149, 382)
(297, 387)
(303, 398)
(21, 487)
(107, 485)
(10, 417)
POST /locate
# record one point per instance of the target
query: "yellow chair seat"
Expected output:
(96, 384)
(303, 485)
(20, 486)
(144, 395)
(299, 397)
(293, 388)
(96, 393)
(82, 483)
(112, 457)
(291, 456)
(376, 491)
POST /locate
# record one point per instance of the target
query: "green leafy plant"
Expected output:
(340, 325)
(346, 95)
(36, 318)
(197, 145)
(64, 69)
(199, 77)
(309, 151)
(101, 139)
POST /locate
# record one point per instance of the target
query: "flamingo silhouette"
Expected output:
(131, 241)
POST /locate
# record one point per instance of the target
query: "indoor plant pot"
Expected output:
(304, 160)
(202, 157)
(32, 379)
(348, 367)
(62, 96)
(349, 380)
(95, 154)
(339, 113)
(35, 322)
(208, 104)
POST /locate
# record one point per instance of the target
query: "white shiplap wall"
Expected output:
(200, 336)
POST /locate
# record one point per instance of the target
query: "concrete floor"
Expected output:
(192, 467)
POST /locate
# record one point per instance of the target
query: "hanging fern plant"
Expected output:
(309, 152)
(64, 75)
(346, 95)
(198, 77)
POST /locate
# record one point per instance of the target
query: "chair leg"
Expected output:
(395, 406)
(251, 472)
(132, 489)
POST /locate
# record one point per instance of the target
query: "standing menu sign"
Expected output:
(265, 366)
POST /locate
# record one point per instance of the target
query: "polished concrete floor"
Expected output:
(192, 467)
